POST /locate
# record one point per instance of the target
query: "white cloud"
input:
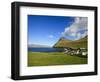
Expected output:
(50, 36)
(74, 30)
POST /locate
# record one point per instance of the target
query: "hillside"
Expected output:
(62, 42)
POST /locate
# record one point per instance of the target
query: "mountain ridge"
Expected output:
(62, 42)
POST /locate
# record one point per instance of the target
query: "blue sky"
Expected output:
(47, 30)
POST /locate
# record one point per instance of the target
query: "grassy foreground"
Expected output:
(53, 58)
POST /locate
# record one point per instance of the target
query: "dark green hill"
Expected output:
(62, 42)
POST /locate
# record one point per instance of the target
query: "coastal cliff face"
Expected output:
(81, 43)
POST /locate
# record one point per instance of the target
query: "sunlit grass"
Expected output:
(53, 58)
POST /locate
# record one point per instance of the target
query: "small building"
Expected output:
(79, 51)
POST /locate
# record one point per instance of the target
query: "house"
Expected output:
(84, 53)
(79, 51)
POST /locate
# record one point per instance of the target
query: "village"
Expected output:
(78, 51)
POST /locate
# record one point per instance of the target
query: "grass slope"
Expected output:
(53, 58)
(82, 43)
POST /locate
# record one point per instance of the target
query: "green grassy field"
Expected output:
(53, 58)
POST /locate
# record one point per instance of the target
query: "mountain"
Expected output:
(37, 46)
(81, 43)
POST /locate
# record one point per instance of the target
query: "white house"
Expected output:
(79, 51)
